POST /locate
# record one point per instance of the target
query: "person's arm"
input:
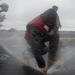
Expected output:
(56, 28)
(53, 31)
(58, 23)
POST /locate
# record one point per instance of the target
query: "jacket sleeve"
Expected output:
(58, 24)
(55, 29)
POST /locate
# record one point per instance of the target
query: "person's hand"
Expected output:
(44, 70)
(51, 33)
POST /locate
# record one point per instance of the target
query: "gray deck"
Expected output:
(14, 48)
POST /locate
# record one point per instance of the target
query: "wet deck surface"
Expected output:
(14, 48)
(9, 65)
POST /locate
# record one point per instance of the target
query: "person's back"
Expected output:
(49, 15)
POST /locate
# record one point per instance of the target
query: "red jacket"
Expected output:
(38, 22)
(45, 22)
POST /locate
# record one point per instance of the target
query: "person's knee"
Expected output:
(44, 50)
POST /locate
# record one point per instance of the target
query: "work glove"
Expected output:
(44, 70)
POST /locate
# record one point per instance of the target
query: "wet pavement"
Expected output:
(9, 65)
(14, 49)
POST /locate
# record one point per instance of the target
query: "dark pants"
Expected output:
(37, 42)
(53, 46)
